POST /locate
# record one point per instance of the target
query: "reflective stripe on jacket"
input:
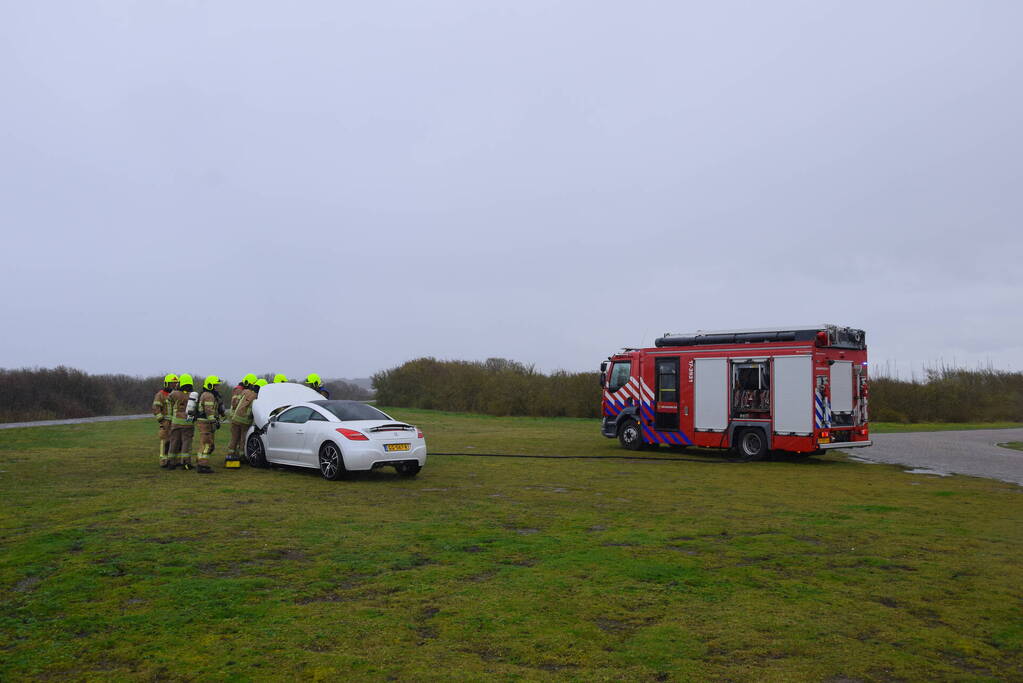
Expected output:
(179, 407)
(208, 402)
(243, 413)
(160, 404)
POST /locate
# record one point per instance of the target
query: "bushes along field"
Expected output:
(64, 393)
(505, 387)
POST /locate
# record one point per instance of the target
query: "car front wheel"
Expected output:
(332, 464)
(254, 451)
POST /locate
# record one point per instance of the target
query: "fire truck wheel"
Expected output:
(751, 444)
(630, 436)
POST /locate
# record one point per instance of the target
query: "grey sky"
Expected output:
(339, 187)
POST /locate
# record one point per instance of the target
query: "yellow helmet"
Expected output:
(210, 382)
(170, 379)
(278, 378)
(249, 379)
(312, 379)
(261, 382)
(184, 380)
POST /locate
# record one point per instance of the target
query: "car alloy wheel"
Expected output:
(331, 464)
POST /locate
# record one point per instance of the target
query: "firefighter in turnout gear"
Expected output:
(241, 420)
(162, 412)
(236, 393)
(182, 426)
(208, 415)
(313, 381)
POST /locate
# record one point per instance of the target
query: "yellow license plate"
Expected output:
(397, 446)
(824, 440)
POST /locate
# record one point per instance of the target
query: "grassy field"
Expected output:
(588, 569)
(1015, 445)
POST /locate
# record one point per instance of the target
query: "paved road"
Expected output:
(76, 421)
(974, 453)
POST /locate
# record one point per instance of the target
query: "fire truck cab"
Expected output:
(798, 390)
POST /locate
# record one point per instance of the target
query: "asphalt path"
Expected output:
(975, 452)
(76, 421)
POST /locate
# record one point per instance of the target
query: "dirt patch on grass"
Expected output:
(290, 554)
(27, 584)
(415, 561)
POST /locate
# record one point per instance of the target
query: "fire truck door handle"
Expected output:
(685, 411)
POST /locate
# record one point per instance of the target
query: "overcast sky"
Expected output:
(339, 187)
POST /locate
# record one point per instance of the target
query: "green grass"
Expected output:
(892, 427)
(603, 569)
(1015, 445)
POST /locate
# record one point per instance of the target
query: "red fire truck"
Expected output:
(794, 389)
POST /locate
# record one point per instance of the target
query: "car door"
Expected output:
(286, 435)
(315, 429)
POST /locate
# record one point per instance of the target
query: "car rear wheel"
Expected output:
(332, 463)
(407, 469)
(254, 451)
(630, 436)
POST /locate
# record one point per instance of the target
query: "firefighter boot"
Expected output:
(186, 462)
(164, 460)
(204, 469)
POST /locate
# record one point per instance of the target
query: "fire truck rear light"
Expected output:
(863, 431)
(352, 434)
(825, 434)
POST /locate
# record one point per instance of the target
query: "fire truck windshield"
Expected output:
(620, 375)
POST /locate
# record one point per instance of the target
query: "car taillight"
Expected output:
(352, 434)
(419, 433)
(824, 433)
(863, 431)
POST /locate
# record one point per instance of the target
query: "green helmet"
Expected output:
(249, 379)
(210, 382)
(184, 380)
(261, 382)
(313, 380)
(278, 378)
(170, 379)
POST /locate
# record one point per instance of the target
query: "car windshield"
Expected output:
(352, 410)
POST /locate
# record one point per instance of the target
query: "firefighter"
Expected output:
(279, 378)
(182, 425)
(162, 412)
(241, 420)
(313, 381)
(236, 393)
(208, 415)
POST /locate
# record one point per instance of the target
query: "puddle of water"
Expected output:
(864, 460)
(926, 471)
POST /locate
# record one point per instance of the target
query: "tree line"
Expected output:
(504, 387)
(65, 393)
(496, 386)
(499, 386)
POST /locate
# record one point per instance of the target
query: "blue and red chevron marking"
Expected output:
(651, 435)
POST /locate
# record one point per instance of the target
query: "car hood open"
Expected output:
(273, 396)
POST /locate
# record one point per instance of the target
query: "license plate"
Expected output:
(397, 446)
(824, 440)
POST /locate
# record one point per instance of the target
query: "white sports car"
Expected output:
(294, 425)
